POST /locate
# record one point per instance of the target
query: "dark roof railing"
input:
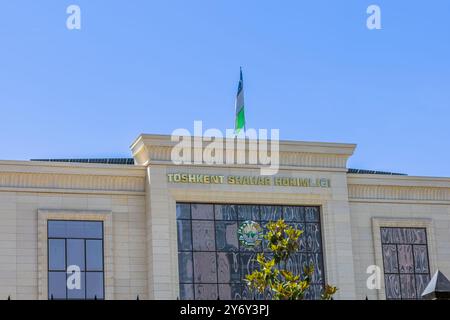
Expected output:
(127, 161)
(363, 171)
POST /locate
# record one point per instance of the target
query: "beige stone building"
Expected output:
(150, 228)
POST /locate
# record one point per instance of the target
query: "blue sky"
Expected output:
(311, 68)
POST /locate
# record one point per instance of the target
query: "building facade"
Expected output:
(150, 228)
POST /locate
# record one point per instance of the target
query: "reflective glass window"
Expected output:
(405, 262)
(212, 263)
(75, 259)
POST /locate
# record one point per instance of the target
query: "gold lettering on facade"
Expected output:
(195, 178)
(249, 180)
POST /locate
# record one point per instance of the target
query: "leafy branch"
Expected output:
(283, 241)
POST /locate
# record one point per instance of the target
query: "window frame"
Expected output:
(378, 222)
(73, 214)
(413, 273)
(85, 271)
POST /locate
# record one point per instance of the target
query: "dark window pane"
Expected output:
(247, 293)
(387, 235)
(313, 292)
(405, 258)
(296, 263)
(57, 285)
(265, 242)
(408, 286)
(398, 235)
(421, 283)
(186, 291)
(206, 291)
(75, 253)
(93, 229)
(205, 267)
(294, 214)
(76, 283)
(185, 266)
(230, 292)
(226, 235)
(57, 229)
(316, 261)
(225, 212)
(203, 235)
(183, 211)
(57, 254)
(75, 229)
(392, 284)
(94, 255)
(302, 238)
(419, 236)
(407, 235)
(228, 267)
(94, 285)
(270, 213)
(312, 214)
(184, 235)
(203, 211)
(414, 235)
(246, 212)
(248, 264)
(313, 237)
(390, 258)
(268, 294)
(421, 259)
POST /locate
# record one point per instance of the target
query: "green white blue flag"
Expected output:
(240, 114)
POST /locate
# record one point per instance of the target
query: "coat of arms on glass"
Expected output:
(250, 234)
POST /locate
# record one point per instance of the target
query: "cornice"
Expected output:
(398, 193)
(79, 177)
(157, 148)
(397, 180)
(398, 188)
(71, 168)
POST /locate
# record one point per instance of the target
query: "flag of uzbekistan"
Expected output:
(240, 114)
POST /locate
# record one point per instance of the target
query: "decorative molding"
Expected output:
(292, 159)
(72, 168)
(72, 181)
(301, 159)
(157, 148)
(389, 192)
